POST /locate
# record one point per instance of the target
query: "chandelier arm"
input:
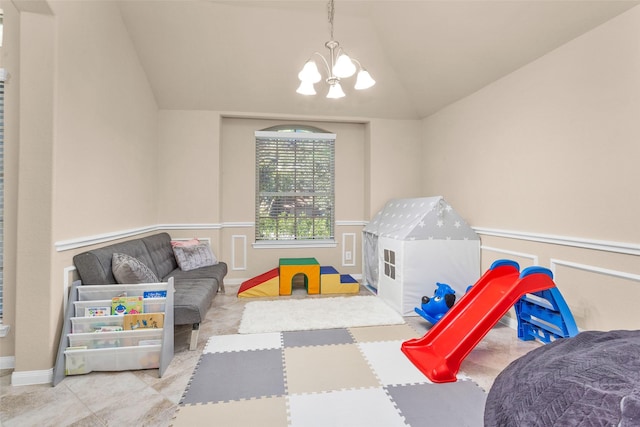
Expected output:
(324, 61)
(358, 63)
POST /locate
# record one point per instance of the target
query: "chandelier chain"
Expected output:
(330, 13)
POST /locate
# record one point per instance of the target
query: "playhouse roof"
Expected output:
(426, 218)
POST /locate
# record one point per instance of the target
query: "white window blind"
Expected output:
(294, 186)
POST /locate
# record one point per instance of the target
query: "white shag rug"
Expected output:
(316, 313)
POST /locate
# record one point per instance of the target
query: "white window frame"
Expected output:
(390, 263)
(307, 138)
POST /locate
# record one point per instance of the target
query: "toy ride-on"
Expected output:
(434, 308)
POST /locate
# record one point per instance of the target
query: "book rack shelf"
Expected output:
(92, 341)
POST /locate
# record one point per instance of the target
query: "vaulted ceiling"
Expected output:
(244, 56)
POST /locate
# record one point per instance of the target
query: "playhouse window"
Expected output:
(390, 263)
(294, 185)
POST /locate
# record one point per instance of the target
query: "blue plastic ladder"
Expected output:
(544, 315)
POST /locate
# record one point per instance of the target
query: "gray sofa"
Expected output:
(194, 289)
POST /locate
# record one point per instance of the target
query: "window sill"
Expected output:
(294, 244)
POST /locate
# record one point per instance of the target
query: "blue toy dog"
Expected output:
(434, 308)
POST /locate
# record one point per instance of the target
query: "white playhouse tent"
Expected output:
(413, 243)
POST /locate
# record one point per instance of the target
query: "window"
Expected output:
(390, 264)
(294, 184)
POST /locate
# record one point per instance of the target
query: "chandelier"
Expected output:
(338, 66)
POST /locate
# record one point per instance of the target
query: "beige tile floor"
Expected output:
(140, 398)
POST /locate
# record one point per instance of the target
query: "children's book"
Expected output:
(97, 311)
(143, 321)
(126, 305)
(76, 362)
(109, 329)
(155, 294)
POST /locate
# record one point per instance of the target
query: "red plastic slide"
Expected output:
(439, 353)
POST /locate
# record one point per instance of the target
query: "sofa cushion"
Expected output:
(191, 242)
(214, 273)
(192, 300)
(194, 256)
(159, 248)
(128, 269)
(94, 266)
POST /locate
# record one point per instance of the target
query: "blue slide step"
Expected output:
(346, 278)
(328, 270)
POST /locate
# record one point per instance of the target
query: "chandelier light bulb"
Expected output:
(335, 91)
(344, 66)
(364, 81)
(310, 73)
(306, 88)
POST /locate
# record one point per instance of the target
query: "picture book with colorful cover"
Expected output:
(143, 321)
(97, 311)
(155, 294)
(126, 305)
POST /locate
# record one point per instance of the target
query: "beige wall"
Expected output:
(552, 149)
(189, 165)
(106, 166)
(394, 162)
(35, 177)
(9, 60)
(86, 164)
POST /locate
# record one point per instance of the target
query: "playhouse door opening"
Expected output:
(370, 253)
(300, 281)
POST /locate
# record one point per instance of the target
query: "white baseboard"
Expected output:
(32, 377)
(7, 362)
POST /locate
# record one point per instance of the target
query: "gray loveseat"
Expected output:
(194, 289)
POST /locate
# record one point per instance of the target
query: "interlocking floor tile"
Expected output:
(449, 404)
(384, 333)
(345, 408)
(236, 375)
(267, 412)
(239, 342)
(323, 368)
(316, 337)
(390, 364)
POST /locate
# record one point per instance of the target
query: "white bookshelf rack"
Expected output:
(83, 350)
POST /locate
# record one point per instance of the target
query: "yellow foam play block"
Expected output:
(269, 288)
(309, 267)
(331, 282)
(265, 285)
